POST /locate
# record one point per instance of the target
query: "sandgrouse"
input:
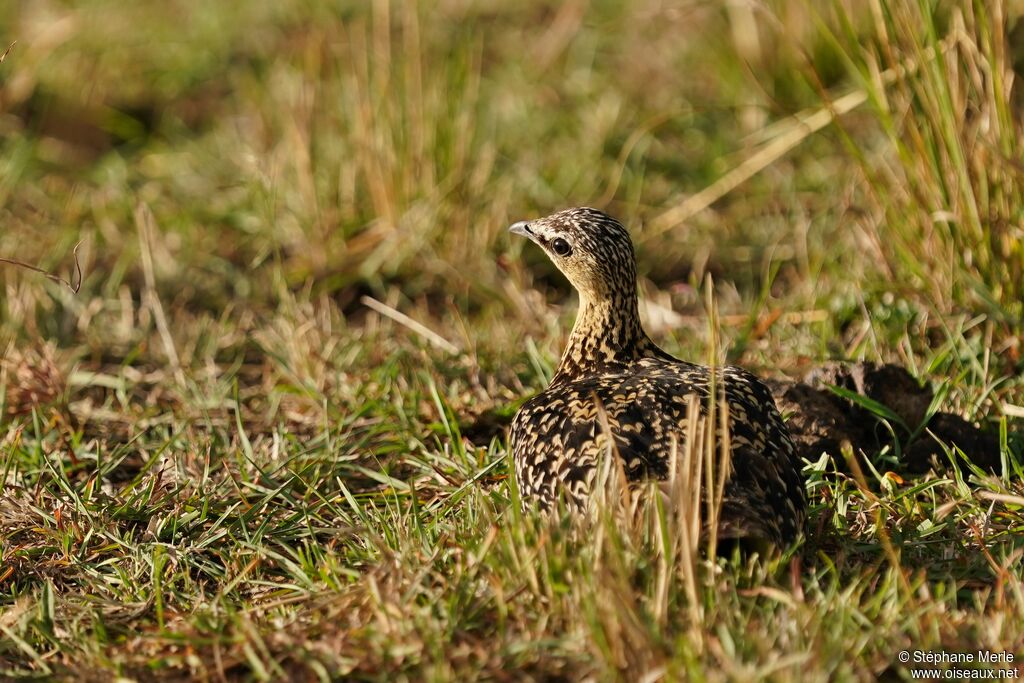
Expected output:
(612, 376)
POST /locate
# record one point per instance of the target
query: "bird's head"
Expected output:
(590, 247)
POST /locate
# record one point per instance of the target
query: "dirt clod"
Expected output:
(822, 421)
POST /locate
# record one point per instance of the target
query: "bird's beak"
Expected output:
(522, 228)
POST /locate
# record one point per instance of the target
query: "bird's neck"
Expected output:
(607, 331)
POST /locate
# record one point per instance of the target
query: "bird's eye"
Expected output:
(561, 247)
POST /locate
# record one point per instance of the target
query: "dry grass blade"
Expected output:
(1002, 498)
(73, 286)
(404, 320)
(144, 223)
(780, 138)
(688, 510)
(800, 128)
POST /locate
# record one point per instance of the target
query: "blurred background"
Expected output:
(853, 165)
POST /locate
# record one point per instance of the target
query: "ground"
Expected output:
(264, 437)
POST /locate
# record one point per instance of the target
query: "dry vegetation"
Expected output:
(264, 440)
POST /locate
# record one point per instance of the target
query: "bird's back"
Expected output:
(560, 435)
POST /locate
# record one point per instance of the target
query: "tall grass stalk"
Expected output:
(947, 205)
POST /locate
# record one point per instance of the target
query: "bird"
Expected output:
(613, 378)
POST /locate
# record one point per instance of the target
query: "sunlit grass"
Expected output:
(218, 462)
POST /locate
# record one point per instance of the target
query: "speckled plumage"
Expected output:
(611, 365)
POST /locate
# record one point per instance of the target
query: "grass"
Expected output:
(264, 439)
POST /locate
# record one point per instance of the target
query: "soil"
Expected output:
(821, 420)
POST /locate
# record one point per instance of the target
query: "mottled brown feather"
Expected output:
(611, 366)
